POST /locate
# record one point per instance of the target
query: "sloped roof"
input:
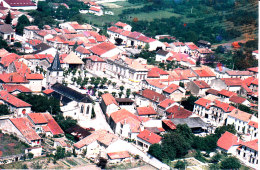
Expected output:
(166, 103)
(192, 122)
(24, 125)
(122, 114)
(152, 95)
(55, 65)
(201, 84)
(109, 99)
(38, 118)
(16, 3)
(72, 58)
(171, 88)
(149, 137)
(145, 111)
(237, 99)
(102, 48)
(6, 29)
(118, 155)
(238, 114)
(7, 97)
(169, 123)
(178, 112)
(227, 140)
(13, 87)
(232, 81)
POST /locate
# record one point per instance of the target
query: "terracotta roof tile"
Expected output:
(169, 123)
(166, 103)
(53, 126)
(102, 48)
(244, 116)
(151, 95)
(227, 93)
(48, 91)
(201, 84)
(26, 128)
(203, 102)
(37, 118)
(122, 114)
(35, 76)
(171, 88)
(118, 155)
(109, 99)
(253, 69)
(96, 58)
(145, 111)
(212, 91)
(7, 97)
(155, 82)
(13, 87)
(149, 137)
(237, 99)
(178, 112)
(252, 144)
(227, 140)
(121, 24)
(156, 72)
(253, 124)
(204, 73)
(232, 81)
(82, 50)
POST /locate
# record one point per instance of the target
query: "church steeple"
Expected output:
(55, 65)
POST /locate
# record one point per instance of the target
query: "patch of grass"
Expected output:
(71, 162)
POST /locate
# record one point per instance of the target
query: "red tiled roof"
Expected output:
(191, 46)
(109, 99)
(178, 43)
(155, 82)
(212, 91)
(203, 102)
(48, 91)
(94, 9)
(201, 84)
(238, 114)
(203, 73)
(169, 123)
(171, 88)
(145, 39)
(24, 125)
(13, 87)
(227, 93)
(13, 78)
(35, 76)
(37, 118)
(232, 81)
(82, 50)
(178, 112)
(227, 140)
(149, 137)
(135, 35)
(252, 144)
(152, 95)
(255, 82)
(238, 73)
(253, 124)
(237, 99)
(112, 29)
(122, 114)
(166, 103)
(21, 67)
(156, 72)
(96, 58)
(120, 24)
(118, 155)
(253, 69)
(34, 42)
(145, 111)
(102, 48)
(53, 126)
(224, 106)
(9, 58)
(7, 97)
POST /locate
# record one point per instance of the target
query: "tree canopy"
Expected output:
(23, 21)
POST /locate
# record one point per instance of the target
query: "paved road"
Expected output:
(99, 122)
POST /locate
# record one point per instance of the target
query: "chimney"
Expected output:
(236, 112)
(179, 107)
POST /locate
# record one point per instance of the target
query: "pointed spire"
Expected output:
(55, 65)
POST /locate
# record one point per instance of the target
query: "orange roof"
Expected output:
(227, 140)
(157, 83)
(95, 58)
(9, 58)
(237, 99)
(26, 128)
(203, 102)
(224, 106)
(232, 81)
(118, 155)
(238, 114)
(171, 88)
(102, 48)
(156, 72)
(252, 144)
(227, 93)
(204, 73)
(82, 50)
(13, 87)
(145, 111)
(7, 97)
(13, 78)
(149, 137)
(109, 99)
(178, 112)
(120, 24)
(169, 123)
(253, 124)
(253, 69)
(35, 76)
(122, 114)
(166, 103)
(201, 84)
(21, 67)
(152, 95)
(52, 125)
(94, 9)
(48, 91)
(37, 118)
(102, 136)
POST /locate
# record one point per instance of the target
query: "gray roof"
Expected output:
(55, 65)
(41, 47)
(162, 52)
(6, 29)
(192, 122)
(71, 94)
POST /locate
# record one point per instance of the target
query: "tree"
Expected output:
(121, 88)
(114, 84)
(60, 153)
(18, 44)
(8, 18)
(147, 47)
(37, 165)
(128, 93)
(102, 163)
(109, 82)
(30, 155)
(244, 108)
(220, 130)
(120, 94)
(4, 110)
(189, 103)
(230, 163)
(75, 46)
(114, 94)
(65, 122)
(23, 21)
(198, 62)
(180, 164)
(156, 151)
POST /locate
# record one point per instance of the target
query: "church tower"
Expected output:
(54, 72)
